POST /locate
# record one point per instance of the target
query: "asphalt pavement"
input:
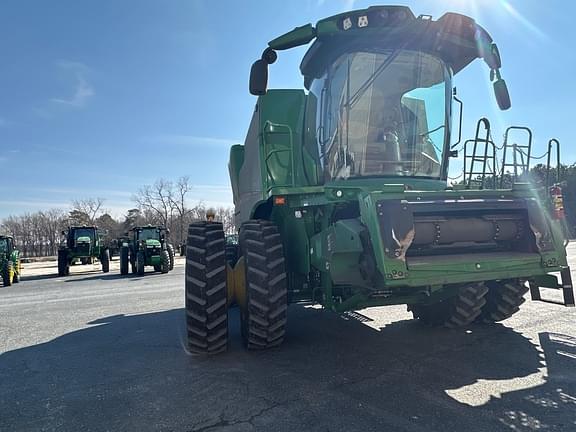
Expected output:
(100, 352)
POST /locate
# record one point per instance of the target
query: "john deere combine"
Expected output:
(9, 261)
(341, 189)
(82, 243)
(146, 246)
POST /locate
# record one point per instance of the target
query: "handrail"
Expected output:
(550, 143)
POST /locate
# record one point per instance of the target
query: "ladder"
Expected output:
(520, 154)
(481, 161)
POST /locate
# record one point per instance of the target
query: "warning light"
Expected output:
(279, 200)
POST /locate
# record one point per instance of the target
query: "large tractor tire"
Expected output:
(503, 300)
(105, 260)
(164, 261)
(265, 315)
(124, 260)
(206, 293)
(140, 263)
(171, 254)
(457, 311)
(8, 273)
(63, 264)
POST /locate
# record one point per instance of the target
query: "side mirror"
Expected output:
(259, 78)
(502, 95)
(259, 72)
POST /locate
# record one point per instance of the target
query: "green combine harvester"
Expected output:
(84, 244)
(9, 261)
(146, 246)
(342, 196)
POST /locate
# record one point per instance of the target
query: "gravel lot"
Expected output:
(100, 352)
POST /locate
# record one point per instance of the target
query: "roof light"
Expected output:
(347, 23)
(362, 21)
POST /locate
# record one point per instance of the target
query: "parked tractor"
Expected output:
(342, 196)
(146, 246)
(84, 244)
(9, 261)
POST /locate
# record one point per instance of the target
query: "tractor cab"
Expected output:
(6, 245)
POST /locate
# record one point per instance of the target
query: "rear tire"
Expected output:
(124, 260)
(164, 261)
(503, 300)
(105, 259)
(264, 318)
(457, 311)
(171, 254)
(206, 293)
(63, 266)
(140, 263)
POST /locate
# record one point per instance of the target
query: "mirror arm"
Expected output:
(459, 122)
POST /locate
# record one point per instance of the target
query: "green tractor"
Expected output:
(342, 196)
(84, 244)
(9, 261)
(146, 246)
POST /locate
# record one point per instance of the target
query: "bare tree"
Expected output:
(157, 199)
(89, 206)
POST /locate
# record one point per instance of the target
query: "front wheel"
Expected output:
(164, 261)
(63, 266)
(105, 259)
(206, 293)
(8, 273)
(503, 300)
(140, 263)
(124, 260)
(265, 315)
(457, 311)
(171, 254)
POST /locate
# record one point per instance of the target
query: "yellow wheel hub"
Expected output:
(236, 283)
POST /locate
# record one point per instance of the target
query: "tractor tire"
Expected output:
(8, 273)
(140, 263)
(105, 259)
(206, 293)
(503, 300)
(63, 265)
(165, 261)
(171, 254)
(457, 311)
(124, 261)
(265, 315)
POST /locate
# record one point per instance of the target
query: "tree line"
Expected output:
(164, 203)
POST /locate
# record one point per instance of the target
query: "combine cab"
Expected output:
(9, 261)
(83, 243)
(342, 196)
(146, 246)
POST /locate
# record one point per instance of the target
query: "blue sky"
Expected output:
(100, 97)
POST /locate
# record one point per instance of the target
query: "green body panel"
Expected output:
(361, 242)
(149, 240)
(9, 253)
(83, 246)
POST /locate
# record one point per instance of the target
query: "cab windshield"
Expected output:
(383, 114)
(3, 245)
(149, 234)
(83, 232)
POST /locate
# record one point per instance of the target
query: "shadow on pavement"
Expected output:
(132, 373)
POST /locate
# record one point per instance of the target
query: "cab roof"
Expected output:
(456, 39)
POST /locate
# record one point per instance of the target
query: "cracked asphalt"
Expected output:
(96, 352)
